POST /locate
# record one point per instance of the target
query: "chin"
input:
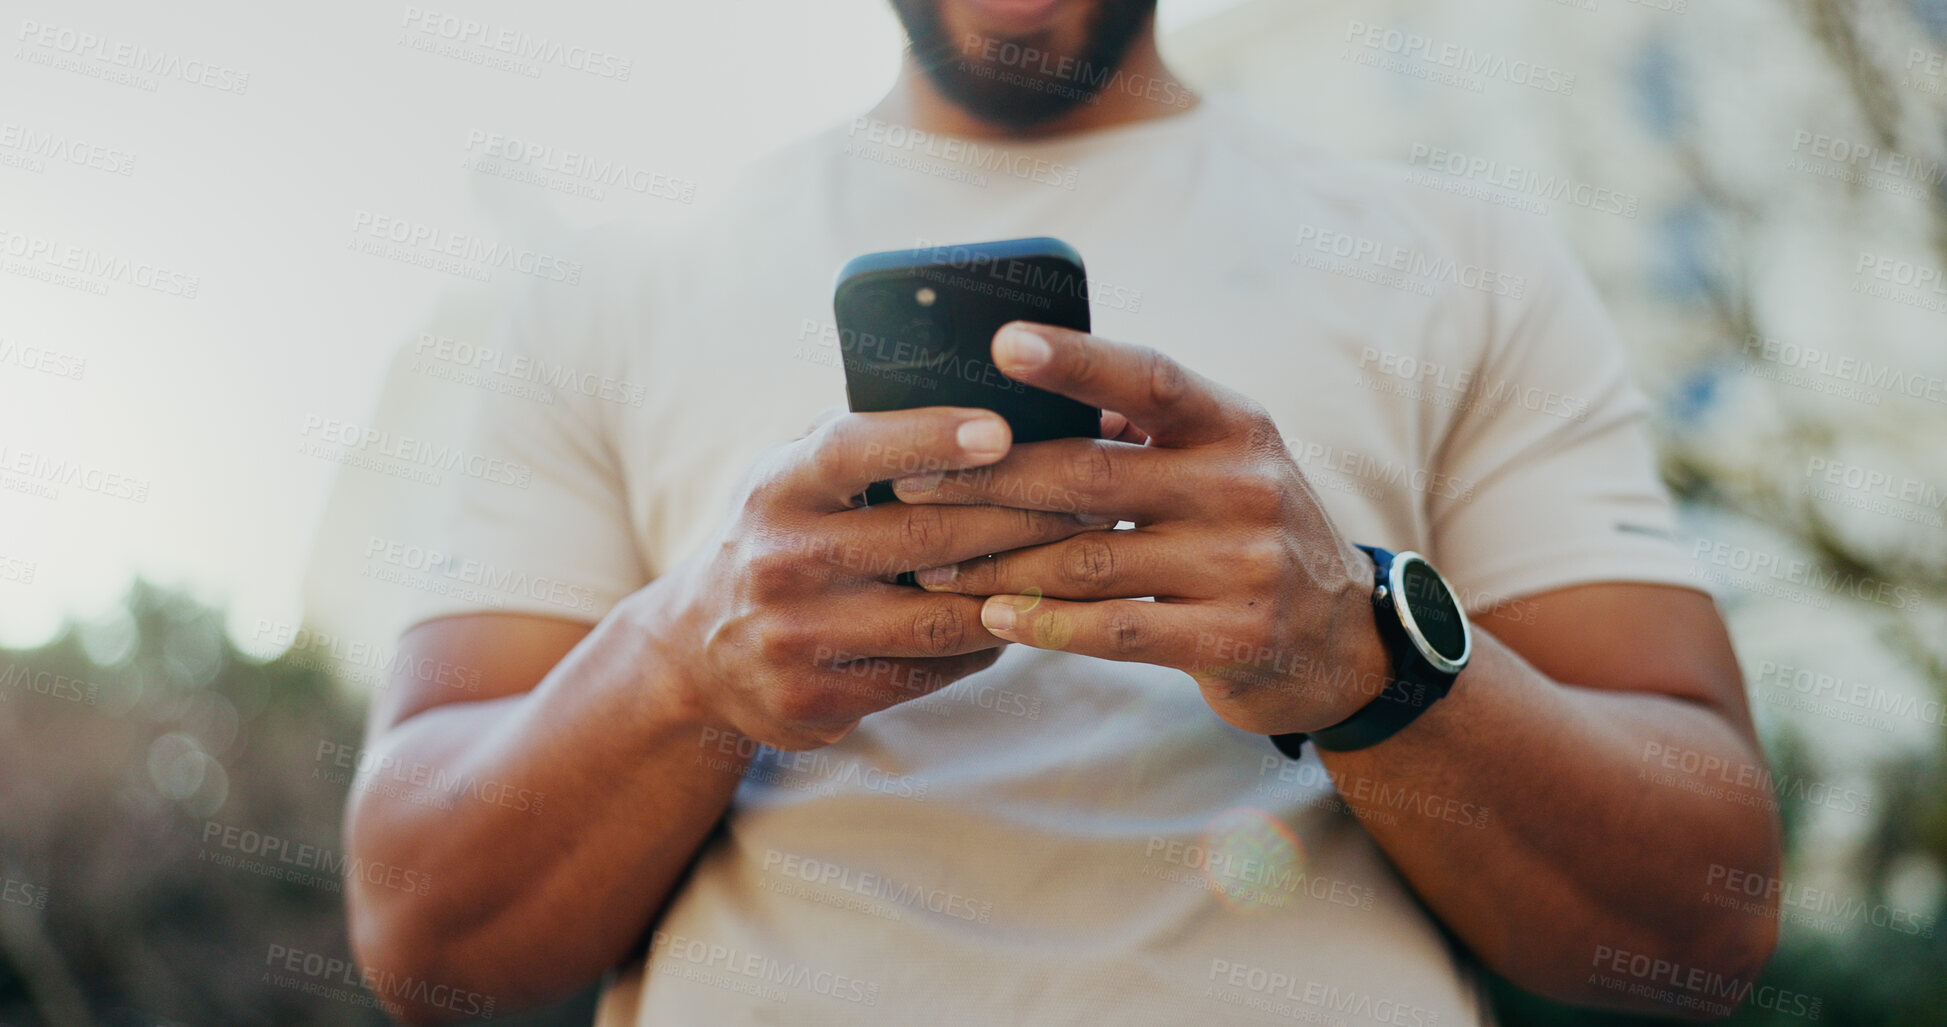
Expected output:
(1062, 24)
(1021, 63)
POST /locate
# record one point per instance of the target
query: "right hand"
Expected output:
(792, 627)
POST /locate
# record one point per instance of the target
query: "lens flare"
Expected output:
(1252, 860)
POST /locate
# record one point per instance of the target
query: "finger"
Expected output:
(1091, 565)
(1083, 476)
(1173, 404)
(851, 451)
(1116, 427)
(885, 541)
(1130, 630)
(891, 621)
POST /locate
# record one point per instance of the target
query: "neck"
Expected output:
(915, 103)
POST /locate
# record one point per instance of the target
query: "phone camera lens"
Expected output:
(921, 333)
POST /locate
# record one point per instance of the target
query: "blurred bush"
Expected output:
(171, 847)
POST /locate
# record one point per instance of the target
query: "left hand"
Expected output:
(1257, 596)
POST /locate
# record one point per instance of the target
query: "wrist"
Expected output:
(662, 623)
(1362, 667)
(1424, 635)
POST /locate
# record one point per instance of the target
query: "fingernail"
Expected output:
(936, 577)
(918, 484)
(998, 614)
(1022, 348)
(1094, 520)
(982, 436)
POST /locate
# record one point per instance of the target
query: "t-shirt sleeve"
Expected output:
(1553, 438)
(546, 528)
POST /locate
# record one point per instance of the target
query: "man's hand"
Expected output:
(786, 630)
(1258, 597)
(794, 627)
(1262, 601)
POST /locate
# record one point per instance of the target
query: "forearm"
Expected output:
(567, 815)
(1580, 840)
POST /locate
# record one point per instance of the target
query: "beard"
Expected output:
(1030, 91)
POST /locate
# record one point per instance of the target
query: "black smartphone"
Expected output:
(916, 329)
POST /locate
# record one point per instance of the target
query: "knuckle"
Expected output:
(1264, 428)
(782, 646)
(1259, 495)
(925, 528)
(1260, 558)
(1089, 561)
(1264, 431)
(1090, 468)
(1168, 383)
(1037, 526)
(763, 483)
(773, 570)
(941, 628)
(822, 417)
(1126, 632)
(829, 447)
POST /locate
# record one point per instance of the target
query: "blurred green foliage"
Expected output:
(157, 790)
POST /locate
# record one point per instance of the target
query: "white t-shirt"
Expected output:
(1063, 839)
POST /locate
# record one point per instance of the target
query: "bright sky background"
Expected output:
(201, 399)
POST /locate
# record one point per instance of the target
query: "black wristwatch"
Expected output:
(1427, 640)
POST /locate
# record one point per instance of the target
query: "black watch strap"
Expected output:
(1412, 686)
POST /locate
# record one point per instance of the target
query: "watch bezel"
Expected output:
(1408, 620)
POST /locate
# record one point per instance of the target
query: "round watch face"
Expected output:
(1433, 609)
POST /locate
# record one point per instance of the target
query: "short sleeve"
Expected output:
(1552, 436)
(541, 524)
